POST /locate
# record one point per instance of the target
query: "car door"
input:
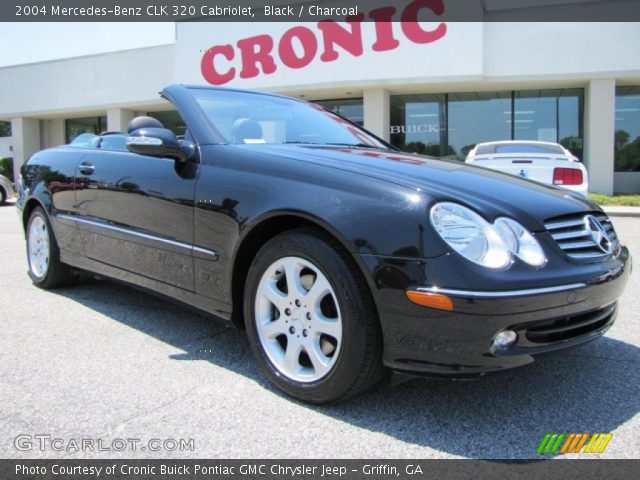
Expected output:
(135, 212)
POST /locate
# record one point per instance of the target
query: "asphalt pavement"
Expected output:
(102, 363)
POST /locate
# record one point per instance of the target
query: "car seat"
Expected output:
(246, 129)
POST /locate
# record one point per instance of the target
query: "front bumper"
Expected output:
(459, 343)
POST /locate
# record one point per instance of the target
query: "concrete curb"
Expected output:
(616, 211)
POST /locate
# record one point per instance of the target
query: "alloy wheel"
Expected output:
(38, 247)
(298, 319)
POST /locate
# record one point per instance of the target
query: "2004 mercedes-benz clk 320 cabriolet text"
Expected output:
(342, 257)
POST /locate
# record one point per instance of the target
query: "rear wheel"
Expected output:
(3, 196)
(45, 268)
(311, 320)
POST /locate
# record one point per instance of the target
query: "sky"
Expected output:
(37, 42)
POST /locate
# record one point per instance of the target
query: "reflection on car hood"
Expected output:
(491, 192)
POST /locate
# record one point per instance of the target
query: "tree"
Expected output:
(621, 138)
(6, 168)
(574, 145)
(628, 154)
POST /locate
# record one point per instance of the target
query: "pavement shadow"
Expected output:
(594, 388)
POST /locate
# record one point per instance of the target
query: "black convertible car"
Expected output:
(342, 257)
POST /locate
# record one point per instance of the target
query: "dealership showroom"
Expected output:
(438, 94)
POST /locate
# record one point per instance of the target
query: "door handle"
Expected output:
(86, 168)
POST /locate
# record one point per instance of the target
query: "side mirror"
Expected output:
(157, 142)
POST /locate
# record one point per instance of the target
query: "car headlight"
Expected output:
(470, 235)
(491, 246)
(520, 242)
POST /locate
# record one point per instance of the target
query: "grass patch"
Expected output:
(622, 199)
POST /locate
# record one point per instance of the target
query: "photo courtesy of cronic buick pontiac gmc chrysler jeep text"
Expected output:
(342, 257)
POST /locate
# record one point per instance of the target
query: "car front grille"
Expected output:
(575, 238)
(572, 326)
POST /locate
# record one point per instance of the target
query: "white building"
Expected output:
(436, 88)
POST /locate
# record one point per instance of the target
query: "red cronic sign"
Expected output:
(263, 55)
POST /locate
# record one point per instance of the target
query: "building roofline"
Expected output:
(88, 55)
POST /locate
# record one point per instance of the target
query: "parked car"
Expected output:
(544, 162)
(342, 257)
(6, 189)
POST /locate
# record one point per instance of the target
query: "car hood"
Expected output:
(490, 192)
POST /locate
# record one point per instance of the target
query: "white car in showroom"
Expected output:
(544, 162)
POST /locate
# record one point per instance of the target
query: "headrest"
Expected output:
(143, 122)
(245, 128)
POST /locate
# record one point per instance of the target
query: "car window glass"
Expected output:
(519, 148)
(187, 137)
(85, 140)
(114, 142)
(249, 118)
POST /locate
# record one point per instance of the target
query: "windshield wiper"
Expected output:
(356, 145)
(337, 144)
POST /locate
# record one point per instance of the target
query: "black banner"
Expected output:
(314, 11)
(317, 469)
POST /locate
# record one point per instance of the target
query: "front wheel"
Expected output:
(45, 268)
(311, 320)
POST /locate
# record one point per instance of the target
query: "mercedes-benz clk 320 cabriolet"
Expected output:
(342, 257)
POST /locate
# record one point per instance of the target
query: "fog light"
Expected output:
(505, 340)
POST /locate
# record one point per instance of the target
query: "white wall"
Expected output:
(5, 147)
(479, 54)
(26, 140)
(456, 55)
(561, 51)
(132, 77)
(626, 182)
(52, 132)
(118, 119)
(599, 125)
(377, 111)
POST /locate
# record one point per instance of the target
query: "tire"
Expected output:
(329, 347)
(3, 196)
(43, 255)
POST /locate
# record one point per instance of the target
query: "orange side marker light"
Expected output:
(431, 300)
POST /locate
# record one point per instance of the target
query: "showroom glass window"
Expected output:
(627, 136)
(477, 117)
(77, 126)
(6, 163)
(5, 129)
(350, 108)
(449, 125)
(418, 124)
(549, 116)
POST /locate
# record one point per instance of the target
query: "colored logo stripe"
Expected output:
(573, 443)
(598, 442)
(550, 443)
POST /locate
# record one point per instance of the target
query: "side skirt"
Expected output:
(198, 303)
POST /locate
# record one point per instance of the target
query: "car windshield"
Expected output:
(253, 118)
(520, 148)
